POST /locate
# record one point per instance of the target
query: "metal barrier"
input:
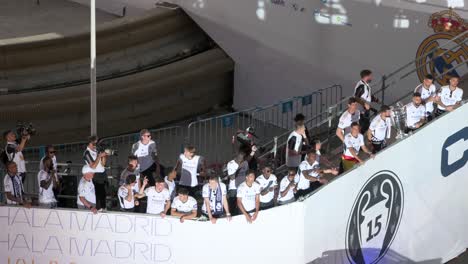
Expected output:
(213, 137)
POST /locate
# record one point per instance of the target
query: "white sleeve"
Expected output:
(257, 190)
(284, 184)
(373, 124)
(123, 192)
(6, 184)
(174, 203)
(223, 189)
(195, 205)
(240, 192)
(460, 97)
(205, 192)
(341, 123)
(389, 128)
(361, 140)
(82, 191)
(167, 195)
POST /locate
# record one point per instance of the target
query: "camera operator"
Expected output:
(48, 181)
(13, 151)
(146, 151)
(97, 162)
(247, 146)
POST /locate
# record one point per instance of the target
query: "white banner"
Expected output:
(409, 205)
(41, 236)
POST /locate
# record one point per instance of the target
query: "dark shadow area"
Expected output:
(391, 257)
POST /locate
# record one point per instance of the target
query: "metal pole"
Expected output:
(93, 69)
(384, 78)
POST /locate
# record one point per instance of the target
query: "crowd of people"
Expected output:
(188, 190)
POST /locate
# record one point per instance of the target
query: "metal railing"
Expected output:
(213, 137)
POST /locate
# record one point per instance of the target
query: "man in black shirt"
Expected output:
(364, 96)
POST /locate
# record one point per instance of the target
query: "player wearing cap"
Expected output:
(352, 114)
(415, 113)
(449, 97)
(428, 94)
(380, 129)
(353, 142)
(86, 193)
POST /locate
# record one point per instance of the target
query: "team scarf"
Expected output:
(218, 203)
(16, 187)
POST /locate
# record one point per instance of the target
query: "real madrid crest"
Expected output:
(435, 56)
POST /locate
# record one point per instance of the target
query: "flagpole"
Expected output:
(93, 69)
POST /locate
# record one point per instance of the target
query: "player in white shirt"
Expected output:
(415, 113)
(13, 186)
(248, 197)
(191, 167)
(296, 143)
(159, 200)
(215, 203)
(351, 115)
(353, 142)
(126, 194)
(86, 199)
(380, 129)
(428, 94)
(48, 181)
(449, 97)
(268, 188)
(236, 172)
(184, 206)
(288, 187)
(309, 174)
(14, 151)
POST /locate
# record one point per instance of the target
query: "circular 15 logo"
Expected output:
(374, 219)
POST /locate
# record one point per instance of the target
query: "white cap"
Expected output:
(86, 169)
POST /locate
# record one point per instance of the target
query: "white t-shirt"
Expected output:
(414, 114)
(283, 185)
(45, 195)
(185, 208)
(211, 194)
(124, 203)
(267, 183)
(248, 195)
(448, 97)
(304, 183)
(426, 94)
(380, 128)
(16, 157)
(347, 119)
(170, 186)
(8, 187)
(86, 190)
(353, 142)
(189, 171)
(156, 200)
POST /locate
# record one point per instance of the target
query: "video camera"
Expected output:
(101, 147)
(24, 130)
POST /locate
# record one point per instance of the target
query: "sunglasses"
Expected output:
(52, 152)
(147, 135)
